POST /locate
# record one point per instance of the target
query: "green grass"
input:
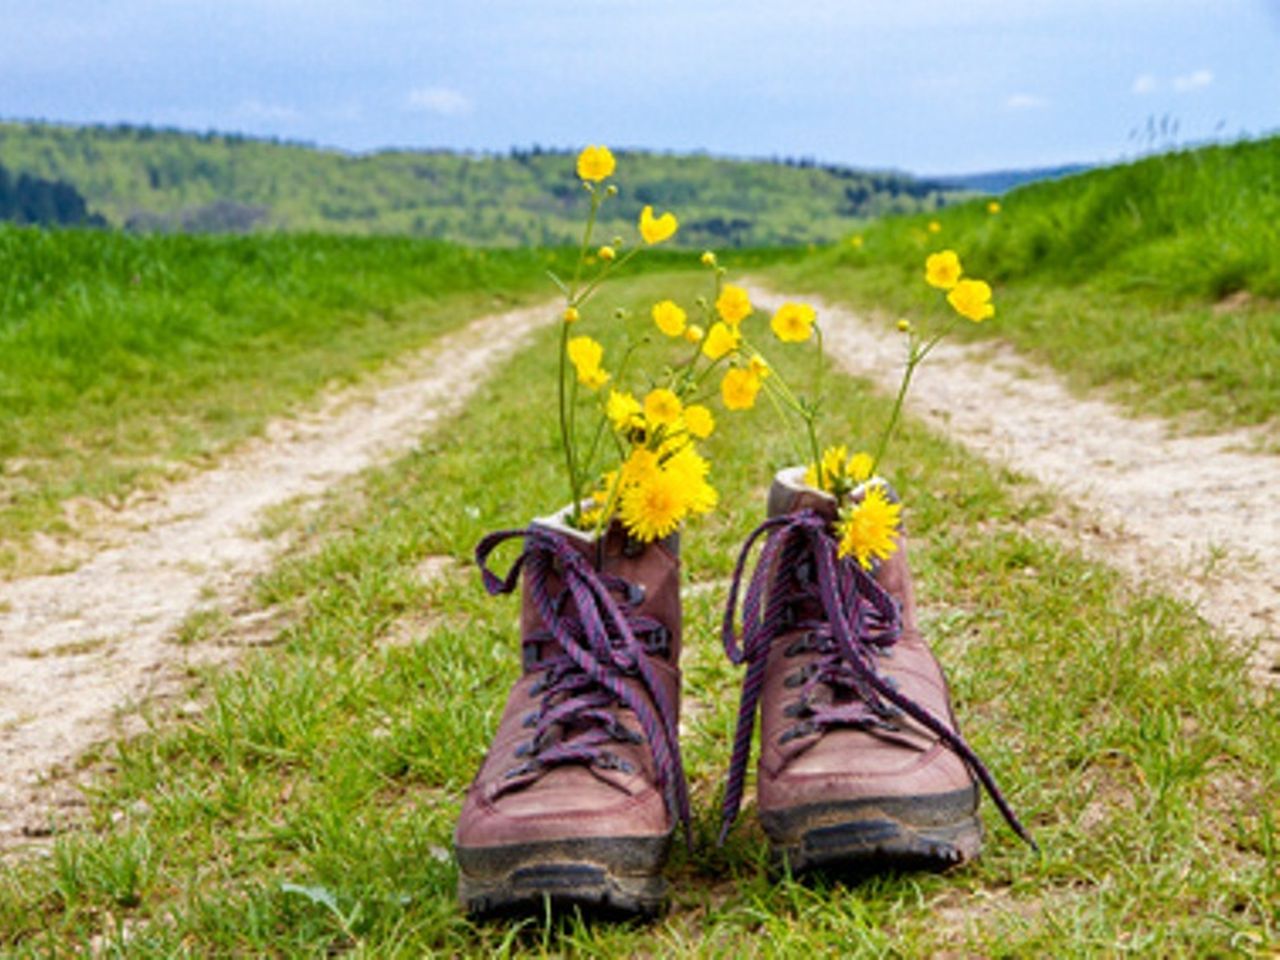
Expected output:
(309, 809)
(1116, 277)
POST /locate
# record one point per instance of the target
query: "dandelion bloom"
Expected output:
(607, 254)
(641, 464)
(571, 315)
(720, 341)
(693, 333)
(708, 258)
(656, 229)
(622, 409)
(993, 206)
(793, 323)
(654, 507)
(935, 226)
(972, 299)
(833, 468)
(733, 305)
(739, 388)
(595, 163)
(691, 468)
(670, 319)
(699, 421)
(662, 407)
(942, 270)
(870, 528)
(858, 469)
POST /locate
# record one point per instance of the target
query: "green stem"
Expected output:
(566, 438)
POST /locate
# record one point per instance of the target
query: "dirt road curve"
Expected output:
(75, 648)
(1196, 515)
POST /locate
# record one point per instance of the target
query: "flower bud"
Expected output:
(708, 259)
(904, 325)
(607, 253)
(571, 314)
(611, 190)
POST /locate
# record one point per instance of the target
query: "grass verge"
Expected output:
(309, 809)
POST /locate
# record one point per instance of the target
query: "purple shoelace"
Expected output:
(596, 640)
(848, 619)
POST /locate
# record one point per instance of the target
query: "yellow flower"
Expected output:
(739, 388)
(869, 529)
(857, 241)
(595, 163)
(733, 305)
(657, 229)
(691, 468)
(904, 325)
(793, 323)
(662, 407)
(641, 464)
(585, 355)
(942, 270)
(759, 367)
(858, 469)
(993, 206)
(699, 421)
(669, 317)
(571, 315)
(708, 258)
(720, 340)
(935, 226)
(623, 410)
(653, 507)
(972, 299)
(607, 254)
(833, 462)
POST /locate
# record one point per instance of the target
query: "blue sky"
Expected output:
(922, 86)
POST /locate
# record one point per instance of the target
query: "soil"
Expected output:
(1194, 516)
(82, 651)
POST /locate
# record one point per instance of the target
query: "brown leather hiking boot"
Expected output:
(578, 797)
(861, 762)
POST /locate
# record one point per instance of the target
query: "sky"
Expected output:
(926, 87)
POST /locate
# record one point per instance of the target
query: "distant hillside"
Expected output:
(165, 180)
(1002, 181)
(35, 200)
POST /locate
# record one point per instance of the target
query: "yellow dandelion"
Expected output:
(793, 323)
(720, 340)
(662, 407)
(640, 464)
(656, 229)
(942, 270)
(870, 528)
(699, 421)
(972, 299)
(595, 163)
(653, 508)
(692, 469)
(858, 469)
(623, 410)
(670, 319)
(738, 389)
(693, 333)
(733, 305)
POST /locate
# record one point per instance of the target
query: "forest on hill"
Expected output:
(150, 179)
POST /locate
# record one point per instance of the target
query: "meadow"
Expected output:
(308, 806)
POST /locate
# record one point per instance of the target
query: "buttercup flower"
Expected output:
(868, 530)
(993, 206)
(670, 319)
(595, 163)
(571, 315)
(693, 333)
(699, 421)
(607, 253)
(972, 299)
(942, 270)
(585, 354)
(655, 230)
(662, 407)
(739, 388)
(759, 367)
(654, 507)
(623, 410)
(720, 340)
(793, 323)
(708, 258)
(733, 305)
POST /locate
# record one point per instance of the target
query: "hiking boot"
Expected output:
(861, 765)
(578, 797)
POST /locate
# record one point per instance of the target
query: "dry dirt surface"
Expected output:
(1198, 517)
(79, 649)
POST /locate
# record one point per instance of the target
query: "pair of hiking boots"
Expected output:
(861, 765)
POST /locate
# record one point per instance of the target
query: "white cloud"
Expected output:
(1025, 101)
(1145, 83)
(1196, 80)
(439, 100)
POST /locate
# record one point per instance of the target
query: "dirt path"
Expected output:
(1196, 515)
(76, 649)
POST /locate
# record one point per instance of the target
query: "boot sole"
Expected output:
(863, 836)
(618, 877)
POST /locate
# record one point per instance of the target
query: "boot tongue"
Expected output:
(790, 493)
